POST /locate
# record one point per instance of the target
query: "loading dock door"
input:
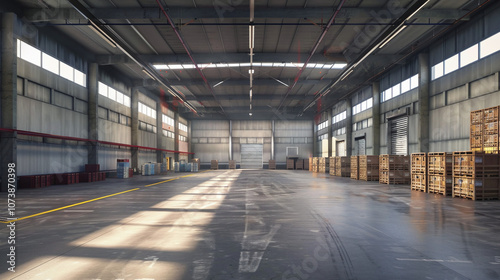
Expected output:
(398, 135)
(360, 146)
(340, 148)
(251, 156)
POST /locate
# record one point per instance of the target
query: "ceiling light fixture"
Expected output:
(101, 34)
(392, 36)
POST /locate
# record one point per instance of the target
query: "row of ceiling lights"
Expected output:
(339, 65)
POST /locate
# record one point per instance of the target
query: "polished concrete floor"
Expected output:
(250, 224)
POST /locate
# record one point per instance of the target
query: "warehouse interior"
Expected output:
(201, 139)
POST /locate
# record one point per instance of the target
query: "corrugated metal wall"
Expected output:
(210, 140)
(109, 155)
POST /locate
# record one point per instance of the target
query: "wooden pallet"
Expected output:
(476, 117)
(394, 162)
(440, 184)
(369, 174)
(394, 177)
(419, 182)
(476, 164)
(490, 114)
(419, 163)
(476, 188)
(440, 163)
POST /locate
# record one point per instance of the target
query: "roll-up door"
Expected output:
(398, 135)
(360, 146)
(341, 148)
(251, 156)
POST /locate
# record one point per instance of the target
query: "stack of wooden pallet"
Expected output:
(290, 163)
(354, 167)
(476, 175)
(484, 130)
(307, 163)
(439, 168)
(394, 169)
(333, 163)
(368, 168)
(343, 166)
(214, 164)
(419, 172)
(272, 164)
(315, 164)
(232, 164)
(324, 164)
(299, 164)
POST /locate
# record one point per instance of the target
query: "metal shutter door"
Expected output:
(341, 149)
(251, 156)
(360, 146)
(398, 129)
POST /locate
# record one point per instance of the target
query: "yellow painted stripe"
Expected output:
(161, 182)
(69, 206)
(95, 199)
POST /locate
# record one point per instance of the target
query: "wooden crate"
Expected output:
(307, 164)
(489, 128)
(394, 162)
(333, 168)
(476, 117)
(475, 164)
(440, 163)
(419, 163)
(290, 164)
(490, 114)
(272, 164)
(214, 164)
(354, 167)
(394, 177)
(476, 129)
(232, 164)
(299, 164)
(368, 168)
(419, 182)
(440, 184)
(476, 188)
(343, 166)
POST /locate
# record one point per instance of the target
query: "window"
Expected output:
(451, 64)
(119, 97)
(365, 105)
(322, 125)
(405, 86)
(66, 71)
(112, 94)
(102, 89)
(168, 121)
(126, 100)
(29, 53)
(182, 138)
(414, 82)
(489, 45)
(49, 63)
(396, 90)
(469, 55)
(183, 127)
(437, 71)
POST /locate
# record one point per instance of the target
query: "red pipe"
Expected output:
(320, 39)
(37, 134)
(189, 54)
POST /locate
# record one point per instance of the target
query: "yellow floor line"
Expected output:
(95, 199)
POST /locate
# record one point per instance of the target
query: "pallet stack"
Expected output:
(307, 164)
(333, 168)
(476, 130)
(484, 130)
(272, 164)
(343, 165)
(490, 130)
(323, 165)
(232, 164)
(354, 167)
(419, 172)
(368, 168)
(299, 164)
(476, 175)
(290, 163)
(439, 170)
(394, 169)
(315, 165)
(214, 164)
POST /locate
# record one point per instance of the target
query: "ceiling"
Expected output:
(342, 42)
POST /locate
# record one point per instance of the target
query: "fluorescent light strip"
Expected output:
(256, 64)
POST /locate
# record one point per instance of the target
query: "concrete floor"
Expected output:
(251, 224)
